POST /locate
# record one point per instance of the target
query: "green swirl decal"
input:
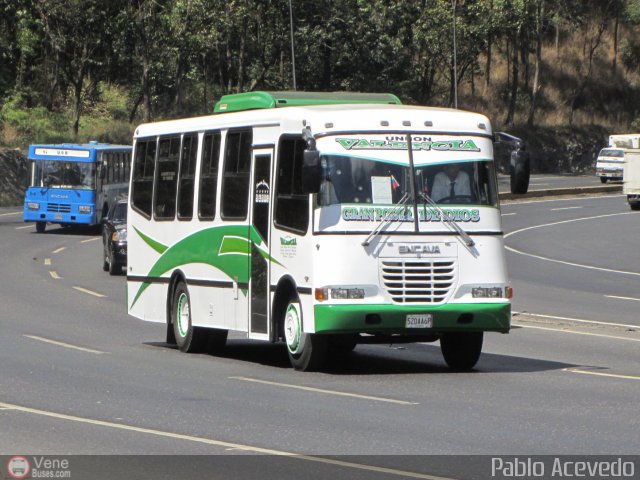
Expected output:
(225, 248)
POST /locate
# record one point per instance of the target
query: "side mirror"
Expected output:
(519, 170)
(311, 171)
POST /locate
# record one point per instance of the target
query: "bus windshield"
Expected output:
(57, 174)
(349, 179)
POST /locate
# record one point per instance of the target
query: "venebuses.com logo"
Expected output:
(18, 467)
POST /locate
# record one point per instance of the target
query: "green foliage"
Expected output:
(23, 125)
(86, 69)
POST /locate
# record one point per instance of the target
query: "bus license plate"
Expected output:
(419, 321)
(57, 216)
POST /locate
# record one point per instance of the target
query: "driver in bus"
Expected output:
(451, 182)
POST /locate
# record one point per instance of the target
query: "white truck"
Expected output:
(631, 186)
(609, 164)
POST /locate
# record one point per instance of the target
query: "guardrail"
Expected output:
(550, 192)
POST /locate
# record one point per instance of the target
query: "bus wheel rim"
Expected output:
(292, 328)
(183, 315)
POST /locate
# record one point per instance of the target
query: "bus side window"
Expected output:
(209, 176)
(291, 205)
(187, 176)
(143, 168)
(167, 178)
(235, 179)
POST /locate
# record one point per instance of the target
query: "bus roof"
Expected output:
(256, 100)
(331, 119)
(72, 151)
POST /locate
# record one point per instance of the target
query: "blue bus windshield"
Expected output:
(60, 174)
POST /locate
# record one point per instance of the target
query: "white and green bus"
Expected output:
(320, 220)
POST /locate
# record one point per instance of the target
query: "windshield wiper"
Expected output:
(384, 221)
(445, 218)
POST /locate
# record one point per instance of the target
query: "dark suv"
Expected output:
(114, 239)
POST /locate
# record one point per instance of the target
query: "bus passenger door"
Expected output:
(260, 250)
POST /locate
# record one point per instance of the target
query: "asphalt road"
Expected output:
(79, 377)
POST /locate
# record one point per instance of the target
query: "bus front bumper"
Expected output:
(58, 217)
(393, 319)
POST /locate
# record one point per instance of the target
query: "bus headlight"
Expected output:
(33, 205)
(84, 209)
(338, 293)
(491, 292)
(347, 293)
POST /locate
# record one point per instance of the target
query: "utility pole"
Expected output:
(455, 57)
(293, 54)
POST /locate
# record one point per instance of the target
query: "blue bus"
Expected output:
(75, 184)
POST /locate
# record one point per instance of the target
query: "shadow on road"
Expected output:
(71, 230)
(380, 359)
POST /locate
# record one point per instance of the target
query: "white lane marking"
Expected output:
(25, 227)
(328, 392)
(623, 298)
(566, 221)
(564, 208)
(10, 213)
(90, 240)
(65, 345)
(54, 275)
(600, 374)
(575, 332)
(221, 443)
(579, 320)
(47, 261)
(572, 264)
(507, 214)
(90, 292)
(571, 198)
(58, 250)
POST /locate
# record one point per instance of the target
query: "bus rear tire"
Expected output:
(189, 339)
(307, 351)
(461, 350)
(41, 226)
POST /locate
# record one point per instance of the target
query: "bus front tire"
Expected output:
(41, 226)
(461, 350)
(189, 339)
(307, 351)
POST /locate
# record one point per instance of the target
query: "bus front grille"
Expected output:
(418, 280)
(59, 207)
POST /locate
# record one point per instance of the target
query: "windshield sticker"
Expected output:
(400, 143)
(262, 192)
(376, 214)
(288, 246)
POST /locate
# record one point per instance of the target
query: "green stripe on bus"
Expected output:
(392, 318)
(225, 248)
(157, 246)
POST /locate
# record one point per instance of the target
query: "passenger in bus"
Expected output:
(452, 182)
